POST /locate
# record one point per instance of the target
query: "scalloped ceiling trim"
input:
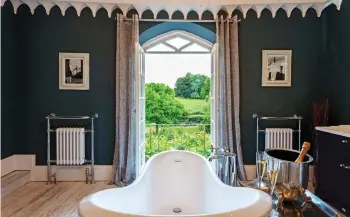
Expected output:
(184, 6)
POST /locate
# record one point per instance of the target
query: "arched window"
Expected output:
(178, 42)
(175, 42)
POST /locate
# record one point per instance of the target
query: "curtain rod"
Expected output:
(175, 20)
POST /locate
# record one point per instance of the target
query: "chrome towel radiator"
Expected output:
(258, 130)
(70, 146)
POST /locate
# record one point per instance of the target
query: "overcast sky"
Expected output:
(166, 68)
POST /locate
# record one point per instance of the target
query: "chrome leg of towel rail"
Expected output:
(49, 174)
(92, 175)
(92, 151)
(89, 175)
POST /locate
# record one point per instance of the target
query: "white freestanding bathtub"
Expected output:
(177, 183)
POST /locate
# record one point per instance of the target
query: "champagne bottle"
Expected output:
(304, 150)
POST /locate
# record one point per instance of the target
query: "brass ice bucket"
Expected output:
(292, 180)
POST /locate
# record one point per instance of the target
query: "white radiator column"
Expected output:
(70, 146)
(279, 138)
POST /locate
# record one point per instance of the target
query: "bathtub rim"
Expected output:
(217, 214)
(265, 196)
(144, 169)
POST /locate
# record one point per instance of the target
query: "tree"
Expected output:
(183, 86)
(205, 89)
(191, 86)
(161, 105)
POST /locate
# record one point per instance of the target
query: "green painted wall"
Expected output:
(338, 72)
(302, 36)
(11, 112)
(41, 37)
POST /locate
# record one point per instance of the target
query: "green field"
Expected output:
(193, 104)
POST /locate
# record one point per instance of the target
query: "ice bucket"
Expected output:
(292, 180)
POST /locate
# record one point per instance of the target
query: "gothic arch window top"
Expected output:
(178, 42)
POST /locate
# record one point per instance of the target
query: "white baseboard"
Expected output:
(24, 161)
(102, 172)
(17, 162)
(7, 165)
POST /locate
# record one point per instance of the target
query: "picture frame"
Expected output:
(74, 71)
(276, 68)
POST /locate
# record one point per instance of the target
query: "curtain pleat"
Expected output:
(229, 90)
(124, 161)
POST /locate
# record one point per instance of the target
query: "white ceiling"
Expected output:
(184, 6)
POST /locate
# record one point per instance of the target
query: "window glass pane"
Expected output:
(160, 47)
(195, 47)
(178, 42)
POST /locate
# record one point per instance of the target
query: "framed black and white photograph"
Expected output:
(74, 71)
(277, 68)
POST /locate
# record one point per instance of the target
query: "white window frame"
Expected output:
(163, 38)
(140, 128)
(193, 39)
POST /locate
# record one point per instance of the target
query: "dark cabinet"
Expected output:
(332, 164)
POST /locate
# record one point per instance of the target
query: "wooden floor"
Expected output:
(13, 181)
(36, 199)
